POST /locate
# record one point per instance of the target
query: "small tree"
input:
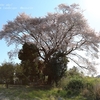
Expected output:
(29, 60)
(7, 73)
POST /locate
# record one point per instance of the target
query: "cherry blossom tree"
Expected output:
(65, 30)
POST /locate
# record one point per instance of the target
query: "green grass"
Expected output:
(30, 93)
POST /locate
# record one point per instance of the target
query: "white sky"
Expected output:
(92, 14)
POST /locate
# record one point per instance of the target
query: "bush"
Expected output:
(74, 86)
(92, 89)
(97, 91)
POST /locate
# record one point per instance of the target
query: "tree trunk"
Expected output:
(49, 81)
(6, 84)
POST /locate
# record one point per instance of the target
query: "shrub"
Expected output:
(74, 86)
(97, 91)
(91, 89)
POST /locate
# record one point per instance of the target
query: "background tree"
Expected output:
(74, 72)
(7, 73)
(29, 61)
(19, 77)
(65, 30)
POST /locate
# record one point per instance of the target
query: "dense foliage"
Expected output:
(35, 69)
